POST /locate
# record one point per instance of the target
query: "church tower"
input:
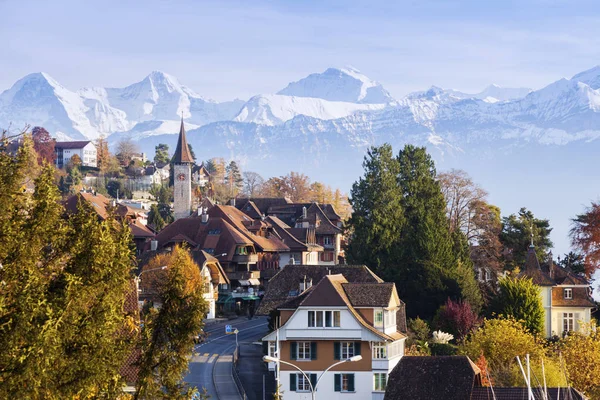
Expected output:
(182, 174)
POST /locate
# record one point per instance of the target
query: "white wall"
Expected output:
(363, 385)
(88, 155)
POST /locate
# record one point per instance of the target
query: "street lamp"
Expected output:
(312, 389)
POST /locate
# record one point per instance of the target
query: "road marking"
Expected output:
(243, 330)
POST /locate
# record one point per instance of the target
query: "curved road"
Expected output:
(218, 343)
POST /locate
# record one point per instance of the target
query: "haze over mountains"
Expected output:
(533, 148)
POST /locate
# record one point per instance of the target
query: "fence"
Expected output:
(236, 378)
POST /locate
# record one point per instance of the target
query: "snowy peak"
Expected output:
(495, 93)
(591, 77)
(345, 84)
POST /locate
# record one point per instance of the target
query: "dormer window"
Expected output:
(323, 319)
(568, 293)
(378, 320)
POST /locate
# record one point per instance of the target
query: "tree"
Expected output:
(461, 195)
(125, 151)
(233, 178)
(75, 161)
(486, 248)
(581, 354)
(63, 331)
(428, 270)
(377, 219)
(43, 144)
(155, 219)
(161, 154)
(516, 237)
(169, 332)
(521, 299)
(585, 237)
(500, 341)
(117, 190)
(573, 261)
(253, 183)
(456, 318)
(192, 152)
(295, 186)
(103, 155)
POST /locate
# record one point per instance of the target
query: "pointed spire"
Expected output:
(182, 152)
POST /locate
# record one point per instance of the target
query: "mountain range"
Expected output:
(533, 148)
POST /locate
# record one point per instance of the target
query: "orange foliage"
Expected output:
(585, 236)
(485, 371)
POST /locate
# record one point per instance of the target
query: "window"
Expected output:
(390, 318)
(272, 350)
(320, 319)
(378, 318)
(568, 322)
(379, 381)
(568, 292)
(299, 383)
(488, 275)
(303, 351)
(327, 241)
(209, 250)
(379, 351)
(347, 350)
(343, 382)
(241, 250)
(214, 231)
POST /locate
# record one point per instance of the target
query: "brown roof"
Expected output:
(581, 297)
(287, 279)
(71, 145)
(139, 230)
(263, 203)
(291, 236)
(182, 152)
(432, 377)
(532, 270)
(369, 294)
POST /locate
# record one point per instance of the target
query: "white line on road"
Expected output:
(243, 330)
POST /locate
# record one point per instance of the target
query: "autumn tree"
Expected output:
(457, 318)
(521, 299)
(585, 237)
(486, 248)
(516, 236)
(581, 353)
(43, 144)
(252, 183)
(103, 155)
(169, 331)
(75, 161)
(161, 154)
(233, 178)
(295, 186)
(125, 150)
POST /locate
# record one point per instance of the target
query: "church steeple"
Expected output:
(182, 151)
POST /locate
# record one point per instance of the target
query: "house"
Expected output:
(200, 175)
(455, 378)
(84, 149)
(211, 271)
(248, 250)
(302, 243)
(334, 321)
(304, 221)
(566, 296)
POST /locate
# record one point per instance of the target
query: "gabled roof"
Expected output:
(287, 280)
(72, 145)
(369, 294)
(433, 377)
(532, 270)
(295, 243)
(139, 230)
(182, 152)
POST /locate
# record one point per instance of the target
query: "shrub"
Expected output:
(456, 318)
(419, 328)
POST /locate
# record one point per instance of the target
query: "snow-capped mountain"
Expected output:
(346, 84)
(38, 99)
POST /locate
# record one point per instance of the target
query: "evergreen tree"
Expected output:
(432, 265)
(161, 154)
(155, 219)
(169, 332)
(377, 218)
(521, 299)
(233, 178)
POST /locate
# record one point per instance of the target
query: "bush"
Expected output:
(520, 298)
(443, 349)
(456, 318)
(419, 328)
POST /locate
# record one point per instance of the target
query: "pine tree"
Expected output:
(233, 178)
(161, 154)
(521, 299)
(377, 218)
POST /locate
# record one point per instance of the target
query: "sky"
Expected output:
(236, 49)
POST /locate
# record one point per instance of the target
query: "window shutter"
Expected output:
(313, 380)
(265, 346)
(292, 382)
(336, 350)
(337, 382)
(313, 350)
(293, 350)
(351, 382)
(357, 348)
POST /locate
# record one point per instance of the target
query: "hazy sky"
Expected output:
(226, 49)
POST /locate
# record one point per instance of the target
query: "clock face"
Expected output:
(181, 177)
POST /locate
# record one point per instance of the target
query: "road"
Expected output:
(218, 343)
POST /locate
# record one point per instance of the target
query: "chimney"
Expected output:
(304, 212)
(302, 286)
(153, 245)
(204, 216)
(233, 202)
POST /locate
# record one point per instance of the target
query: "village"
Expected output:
(313, 323)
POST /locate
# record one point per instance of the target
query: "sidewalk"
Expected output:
(223, 380)
(251, 370)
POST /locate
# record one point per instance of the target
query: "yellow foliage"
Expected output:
(581, 354)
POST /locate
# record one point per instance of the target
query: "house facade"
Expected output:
(332, 322)
(566, 296)
(84, 149)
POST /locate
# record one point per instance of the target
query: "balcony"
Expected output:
(245, 258)
(243, 275)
